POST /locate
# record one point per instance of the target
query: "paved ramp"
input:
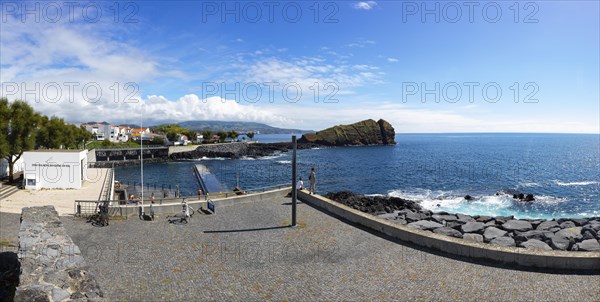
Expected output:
(208, 181)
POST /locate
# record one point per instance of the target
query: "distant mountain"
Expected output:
(94, 123)
(237, 126)
(216, 126)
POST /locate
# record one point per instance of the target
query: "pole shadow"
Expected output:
(249, 230)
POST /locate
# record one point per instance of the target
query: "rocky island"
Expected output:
(367, 132)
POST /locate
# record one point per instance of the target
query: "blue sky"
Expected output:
(369, 53)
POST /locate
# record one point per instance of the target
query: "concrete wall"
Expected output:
(130, 154)
(175, 207)
(460, 247)
(55, 169)
(52, 268)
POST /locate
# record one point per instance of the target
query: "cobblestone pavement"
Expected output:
(246, 253)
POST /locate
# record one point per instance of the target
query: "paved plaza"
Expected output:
(247, 252)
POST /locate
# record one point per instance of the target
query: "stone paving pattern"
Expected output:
(246, 253)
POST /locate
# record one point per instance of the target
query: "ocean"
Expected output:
(438, 170)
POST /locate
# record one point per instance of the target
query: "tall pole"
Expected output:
(142, 156)
(294, 191)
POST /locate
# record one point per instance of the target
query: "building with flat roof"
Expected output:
(54, 169)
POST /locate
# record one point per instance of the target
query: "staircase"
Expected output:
(7, 190)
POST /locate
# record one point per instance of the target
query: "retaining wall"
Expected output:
(52, 268)
(460, 247)
(174, 208)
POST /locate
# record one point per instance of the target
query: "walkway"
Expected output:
(246, 253)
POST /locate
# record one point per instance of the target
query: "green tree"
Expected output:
(207, 135)
(158, 140)
(21, 134)
(233, 134)
(4, 120)
(83, 136)
(250, 135)
(106, 143)
(172, 136)
(222, 136)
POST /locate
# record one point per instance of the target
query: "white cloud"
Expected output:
(392, 60)
(366, 5)
(305, 72)
(361, 43)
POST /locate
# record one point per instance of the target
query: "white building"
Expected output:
(144, 133)
(17, 167)
(105, 131)
(54, 169)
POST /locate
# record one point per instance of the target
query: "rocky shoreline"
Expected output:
(238, 150)
(565, 234)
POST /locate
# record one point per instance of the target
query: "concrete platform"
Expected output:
(247, 252)
(63, 200)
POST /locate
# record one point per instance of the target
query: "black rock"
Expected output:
(587, 245)
(473, 227)
(504, 241)
(580, 221)
(588, 235)
(567, 224)
(468, 197)
(483, 218)
(529, 197)
(448, 232)
(454, 224)
(546, 225)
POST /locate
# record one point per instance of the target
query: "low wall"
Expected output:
(173, 208)
(52, 268)
(455, 246)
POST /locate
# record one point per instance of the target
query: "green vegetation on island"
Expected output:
(367, 132)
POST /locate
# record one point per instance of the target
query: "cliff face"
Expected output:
(367, 132)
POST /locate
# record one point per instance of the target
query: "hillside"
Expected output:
(237, 126)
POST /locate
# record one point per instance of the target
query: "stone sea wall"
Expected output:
(52, 268)
(566, 234)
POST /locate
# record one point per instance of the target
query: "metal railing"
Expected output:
(106, 186)
(85, 208)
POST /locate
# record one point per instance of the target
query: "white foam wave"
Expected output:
(529, 184)
(247, 158)
(271, 156)
(576, 183)
(211, 158)
(375, 195)
(449, 201)
(284, 162)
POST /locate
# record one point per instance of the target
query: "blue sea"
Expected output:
(438, 170)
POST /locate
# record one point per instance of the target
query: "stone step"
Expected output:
(7, 190)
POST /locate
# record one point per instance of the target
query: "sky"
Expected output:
(423, 66)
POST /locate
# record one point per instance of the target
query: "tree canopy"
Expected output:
(22, 129)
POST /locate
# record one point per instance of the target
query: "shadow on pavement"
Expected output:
(10, 268)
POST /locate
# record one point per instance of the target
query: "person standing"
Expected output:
(312, 178)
